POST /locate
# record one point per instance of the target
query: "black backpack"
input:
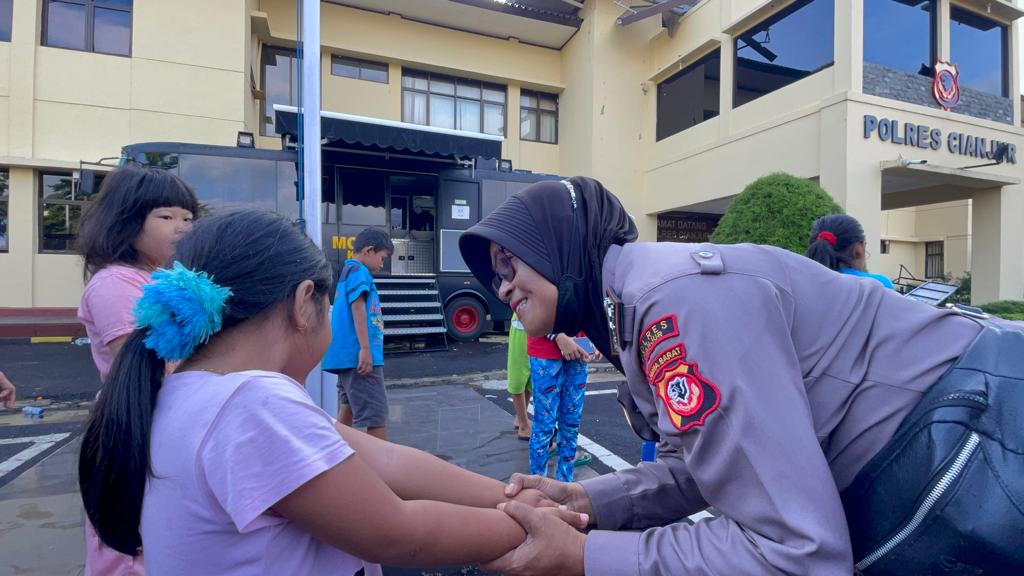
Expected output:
(946, 494)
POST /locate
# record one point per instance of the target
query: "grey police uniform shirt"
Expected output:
(771, 380)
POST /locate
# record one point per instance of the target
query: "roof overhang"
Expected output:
(392, 135)
(547, 23)
(905, 185)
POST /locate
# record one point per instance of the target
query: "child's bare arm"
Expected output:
(362, 333)
(351, 508)
(416, 475)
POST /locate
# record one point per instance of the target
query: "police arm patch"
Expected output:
(654, 368)
(688, 397)
(657, 332)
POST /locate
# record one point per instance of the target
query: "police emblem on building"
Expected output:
(946, 87)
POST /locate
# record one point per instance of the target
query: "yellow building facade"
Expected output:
(568, 87)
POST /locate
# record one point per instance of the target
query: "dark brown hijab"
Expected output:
(561, 229)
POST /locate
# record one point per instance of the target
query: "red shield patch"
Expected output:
(689, 397)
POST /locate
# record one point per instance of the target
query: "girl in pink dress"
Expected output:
(129, 231)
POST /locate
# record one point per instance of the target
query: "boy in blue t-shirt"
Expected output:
(356, 353)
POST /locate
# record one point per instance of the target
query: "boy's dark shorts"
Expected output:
(366, 395)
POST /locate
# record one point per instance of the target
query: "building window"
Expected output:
(455, 103)
(793, 44)
(280, 84)
(979, 47)
(60, 209)
(900, 34)
(103, 26)
(883, 247)
(359, 69)
(934, 259)
(6, 12)
(690, 96)
(5, 204)
(538, 117)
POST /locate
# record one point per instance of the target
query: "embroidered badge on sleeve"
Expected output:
(657, 332)
(654, 368)
(689, 397)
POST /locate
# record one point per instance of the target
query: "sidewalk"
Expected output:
(41, 517)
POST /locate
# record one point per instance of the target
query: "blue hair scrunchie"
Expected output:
(181, 308)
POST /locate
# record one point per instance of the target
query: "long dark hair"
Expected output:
(116, 217)
(833, 238)
(261, 258)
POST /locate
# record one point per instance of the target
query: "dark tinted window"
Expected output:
(793, 44)
(900, 34)
(65, 25)
(112, 31)
(94, 25)
(362, 196)
(690, 96)
(978, 47)
(60, 209)
(280, 84)
(6, 8)
(359, 69)
(222, 182)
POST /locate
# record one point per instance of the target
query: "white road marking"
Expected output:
(39, 445)
(596, 392)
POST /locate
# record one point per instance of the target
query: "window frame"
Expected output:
(360, 64)
(5, 200)
(456, 82)
(42, 202)
(263, 81)
(934, 23)
(540, 112)
(931, 259)
(715, 53)
(768, 21)
(90, 25)
(1005, 43)
(10, 17)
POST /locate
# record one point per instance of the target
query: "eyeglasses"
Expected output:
(504, 271)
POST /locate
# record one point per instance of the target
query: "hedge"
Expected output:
(777, 209)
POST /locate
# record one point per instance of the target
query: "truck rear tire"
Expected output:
(465, 318)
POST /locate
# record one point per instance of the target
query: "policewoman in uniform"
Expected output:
(802, 405)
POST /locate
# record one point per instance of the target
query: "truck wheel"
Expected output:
(465, 317)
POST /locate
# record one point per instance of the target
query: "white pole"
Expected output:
(311, 117)
(322, 386)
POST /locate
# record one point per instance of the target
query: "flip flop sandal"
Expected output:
(582, 460)
(523, 438)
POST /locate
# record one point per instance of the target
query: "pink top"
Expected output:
(107, 309)
(224, 450)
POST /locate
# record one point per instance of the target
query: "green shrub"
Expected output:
(1008, 309)
(778, 209)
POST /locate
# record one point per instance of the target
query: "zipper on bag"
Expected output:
(963, 456)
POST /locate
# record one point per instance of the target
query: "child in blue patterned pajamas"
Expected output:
(558, 373)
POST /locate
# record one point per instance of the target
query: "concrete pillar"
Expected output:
(853, 180)
(942, 34)
(24, 41)
(21, 229)
(726, 82)
(1016, 29)
(849, 46)
(510, 147)
(997, 251)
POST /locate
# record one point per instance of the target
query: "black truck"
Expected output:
(425, 202)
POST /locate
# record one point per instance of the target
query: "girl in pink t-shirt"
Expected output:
(130, 230)
(227, 467)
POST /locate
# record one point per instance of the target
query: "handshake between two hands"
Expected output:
(552, 513)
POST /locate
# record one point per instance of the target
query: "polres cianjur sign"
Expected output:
(925, 137)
